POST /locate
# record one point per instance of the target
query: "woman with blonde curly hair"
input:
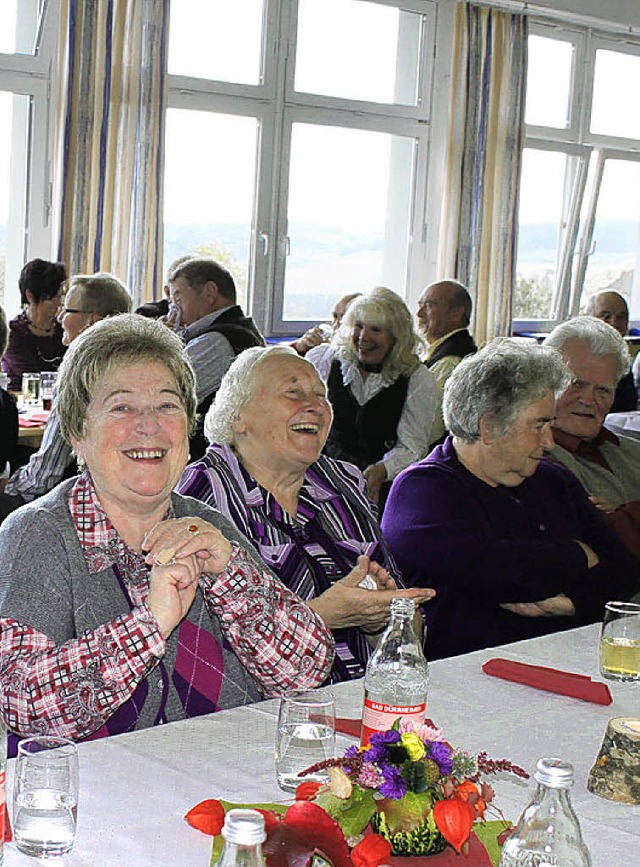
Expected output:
(384, 400)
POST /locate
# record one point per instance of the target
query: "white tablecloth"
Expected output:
(135, 789)
(626, 424)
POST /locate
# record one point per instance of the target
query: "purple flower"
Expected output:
(394, 785)
(441, 755)
(379, 744)
(352, 751)
(389, 737)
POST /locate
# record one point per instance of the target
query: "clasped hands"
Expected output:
(345, 604)
(179, 551)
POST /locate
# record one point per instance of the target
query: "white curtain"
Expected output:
(486, 131)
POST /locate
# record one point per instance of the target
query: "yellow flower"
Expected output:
(413, 745)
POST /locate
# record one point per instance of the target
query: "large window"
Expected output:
(24, 189)
(306, 177)
(579, 229)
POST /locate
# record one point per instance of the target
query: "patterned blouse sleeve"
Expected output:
(279, 639)
(72, 689)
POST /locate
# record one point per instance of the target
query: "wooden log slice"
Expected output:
(616, 772)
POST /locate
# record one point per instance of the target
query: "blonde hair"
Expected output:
(384, 308)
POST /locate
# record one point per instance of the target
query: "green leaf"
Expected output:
(488, 832)
(353, 815)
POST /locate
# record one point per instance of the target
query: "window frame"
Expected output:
(577, 140)
(31, 75)
(277, 105)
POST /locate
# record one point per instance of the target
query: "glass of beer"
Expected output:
(47, 384)
(620, 642)
(30, 389)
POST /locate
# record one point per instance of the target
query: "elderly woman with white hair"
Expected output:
(508, 538)
(307, 514)
(384, 399)
(607, 465)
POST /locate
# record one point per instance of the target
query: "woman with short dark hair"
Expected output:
(35, 338)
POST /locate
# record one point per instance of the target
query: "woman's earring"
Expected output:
(81, 463)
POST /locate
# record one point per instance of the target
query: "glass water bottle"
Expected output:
(397, 676)
(548, 833)
(244, 834)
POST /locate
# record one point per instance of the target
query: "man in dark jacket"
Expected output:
(444, 313)
(215, 329)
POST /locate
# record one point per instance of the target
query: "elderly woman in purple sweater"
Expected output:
(507, 538)
(307, 514)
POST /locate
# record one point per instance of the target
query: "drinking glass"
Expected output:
(620, 641)
(30, 389)
(306, 735)
(45, 796)
(47, 384)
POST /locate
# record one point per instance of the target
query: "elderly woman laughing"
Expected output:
(123, 605)
(306, 513)
(509, 539)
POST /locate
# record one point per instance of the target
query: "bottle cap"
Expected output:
(555, 773)
(400, 605)
(244, 827)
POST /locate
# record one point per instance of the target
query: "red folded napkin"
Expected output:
(550, 679)
(345, 726)
(34, 419)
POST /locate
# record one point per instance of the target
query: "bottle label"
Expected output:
(379, 717)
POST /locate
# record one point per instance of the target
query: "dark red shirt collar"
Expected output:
(590, 450)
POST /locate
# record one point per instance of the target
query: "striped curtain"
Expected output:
(486, 133)
(111, 107)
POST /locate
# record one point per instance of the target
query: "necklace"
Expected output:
(44, 332)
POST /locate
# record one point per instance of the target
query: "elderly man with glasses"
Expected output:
(88, 299)
(607, 465)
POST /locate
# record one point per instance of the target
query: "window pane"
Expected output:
(14, 121)
(614, 262)
(349, 226)
(357, 50)
(617, 76)
(549, 69)
(221, 40)
(209, 189)
(540, 223)
(19, 25)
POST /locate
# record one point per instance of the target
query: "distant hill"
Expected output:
(537, 242)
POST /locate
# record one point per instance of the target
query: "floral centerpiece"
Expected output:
(411, 787)
(407, 792)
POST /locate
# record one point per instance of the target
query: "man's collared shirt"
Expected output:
(210, 353)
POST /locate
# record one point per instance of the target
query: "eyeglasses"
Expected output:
(64, 310)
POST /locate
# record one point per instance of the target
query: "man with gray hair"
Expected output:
(444, 313)
(608, 466)
(90, 297)
(215, 329)
(612, 308)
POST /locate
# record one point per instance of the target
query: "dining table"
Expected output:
(626, 424)
(136, 788)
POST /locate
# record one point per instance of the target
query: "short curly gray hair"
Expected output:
(117, 342)
(386, 309)
(499, 381)
(236, 390)
(600, 338)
